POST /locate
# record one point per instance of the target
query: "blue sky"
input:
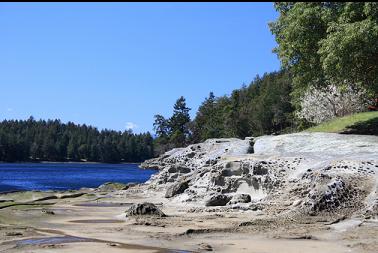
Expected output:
(116, 65)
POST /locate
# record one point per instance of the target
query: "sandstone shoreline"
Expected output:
(290, 193)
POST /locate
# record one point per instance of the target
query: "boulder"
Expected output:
(240, 198)
(176, 189)
(46, 211)
(178, 169)
(205, 247)
(218, 200)
(13, 233)
(145, 208)
(113, 186)
(183, 169)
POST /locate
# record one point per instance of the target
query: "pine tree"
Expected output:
(179, 123)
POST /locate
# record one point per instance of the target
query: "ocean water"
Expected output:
(66, 176)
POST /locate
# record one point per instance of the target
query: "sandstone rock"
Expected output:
(176, 189)
(71, 195)
(329, 173)
(205, 247)
(240, 198)
(47, 211)
(145, 208)
(218, 200)
(113, 186)
(13, 233)
(197, 155)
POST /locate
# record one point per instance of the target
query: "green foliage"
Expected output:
(209, 119)
(173, 132)
(261, 108)
(52, 140)
(161, 126)
(359, 123)
(328, 43)
(179, 123)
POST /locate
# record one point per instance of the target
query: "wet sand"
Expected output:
(96, 222)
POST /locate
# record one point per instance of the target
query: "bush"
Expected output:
(322, 104)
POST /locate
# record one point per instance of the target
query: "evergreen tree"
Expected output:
(208, 122)
(172, 132)
(179, 123)
(52, 140)
(263, 107)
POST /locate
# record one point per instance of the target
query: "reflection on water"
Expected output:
(53, 240)
(75, 239)
(97, 221)
(103, 204)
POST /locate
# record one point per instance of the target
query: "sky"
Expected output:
(116, 65)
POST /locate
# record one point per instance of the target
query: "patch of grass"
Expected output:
(359, 123)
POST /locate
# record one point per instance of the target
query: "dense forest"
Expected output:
(52, 140)
(262, 107)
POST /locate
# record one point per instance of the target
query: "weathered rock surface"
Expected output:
(302, 173)
(198, 155)
(240, 198)
(218, 200)
(176, 188)
(114, 186)
(144, 209)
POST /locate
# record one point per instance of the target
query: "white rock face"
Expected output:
(319, 145)
(306, 173)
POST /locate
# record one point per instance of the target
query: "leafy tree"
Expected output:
(319, 105)
(349, 53)
(327, 43)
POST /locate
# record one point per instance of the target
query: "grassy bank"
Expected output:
(359, 123)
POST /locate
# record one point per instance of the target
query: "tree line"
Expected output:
(262, 107)
(52, 140)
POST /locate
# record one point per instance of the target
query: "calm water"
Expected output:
(64, 176)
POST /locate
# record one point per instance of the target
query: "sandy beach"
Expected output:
(215, 196)
(96, 222)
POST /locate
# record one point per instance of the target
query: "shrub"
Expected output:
(322, 104)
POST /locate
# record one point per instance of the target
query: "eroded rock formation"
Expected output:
(145, 209)
(307, 173)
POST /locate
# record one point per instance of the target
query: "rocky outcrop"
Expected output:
(308, 173)
(145, 209)
(197, 155)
